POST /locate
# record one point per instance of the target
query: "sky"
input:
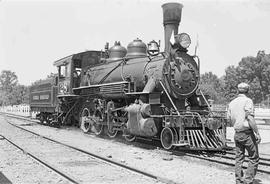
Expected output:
(34, 34)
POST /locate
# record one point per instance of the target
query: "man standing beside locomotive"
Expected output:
(247, 137)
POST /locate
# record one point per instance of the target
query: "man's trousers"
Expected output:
(246, 140)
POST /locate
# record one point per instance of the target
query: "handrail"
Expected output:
(208, 105)
(169, 97)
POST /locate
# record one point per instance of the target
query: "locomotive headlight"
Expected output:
(183, 39)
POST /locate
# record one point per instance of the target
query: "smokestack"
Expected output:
(171, 19)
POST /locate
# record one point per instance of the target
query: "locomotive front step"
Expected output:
(180, 144)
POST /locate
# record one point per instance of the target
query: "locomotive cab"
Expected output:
(72, 70)
(68, 77)
(64, 75)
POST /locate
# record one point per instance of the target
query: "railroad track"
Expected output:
(44, 163)
(104, 159)
(225, 158)
(261, 158)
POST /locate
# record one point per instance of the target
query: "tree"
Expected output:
(231, 81)
(51, 75)
(11, 93)
(253, 70)
(20, 94)
(8, 80)
(211, 85)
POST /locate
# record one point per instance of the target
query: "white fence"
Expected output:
(262, 114)
(22, 110)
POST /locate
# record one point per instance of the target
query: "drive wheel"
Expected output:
(85, 120)
(130, 138)
(97, 127)
(97, 117)
(167, 138)
(111, 132)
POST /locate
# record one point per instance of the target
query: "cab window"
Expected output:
(64, 71)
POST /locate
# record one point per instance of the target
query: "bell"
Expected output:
(153, 47)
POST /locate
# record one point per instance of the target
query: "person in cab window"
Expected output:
(76, 78)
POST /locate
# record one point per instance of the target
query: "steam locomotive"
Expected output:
(139, 91)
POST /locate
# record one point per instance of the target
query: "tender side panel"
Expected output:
(43, 97)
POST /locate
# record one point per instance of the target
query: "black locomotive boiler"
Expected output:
(139, 92)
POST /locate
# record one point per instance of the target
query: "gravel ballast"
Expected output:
(181, 169)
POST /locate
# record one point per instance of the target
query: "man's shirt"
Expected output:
(238, 110)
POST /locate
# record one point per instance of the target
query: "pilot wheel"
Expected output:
(166, 138)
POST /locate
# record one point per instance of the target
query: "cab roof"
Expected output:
(63, 61)
(67, 59)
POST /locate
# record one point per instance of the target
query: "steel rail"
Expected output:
(267, 163)
(231, 158)
(195, 154)
(61, 173)
(261, 158)
(177, 152)
(150, 175)
(216, 161)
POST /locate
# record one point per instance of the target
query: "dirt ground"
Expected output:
(181, 169)
(18, 167)
(79, 166)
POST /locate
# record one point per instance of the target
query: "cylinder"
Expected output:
(171, 19)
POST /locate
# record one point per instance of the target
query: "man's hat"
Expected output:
(243, 87)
